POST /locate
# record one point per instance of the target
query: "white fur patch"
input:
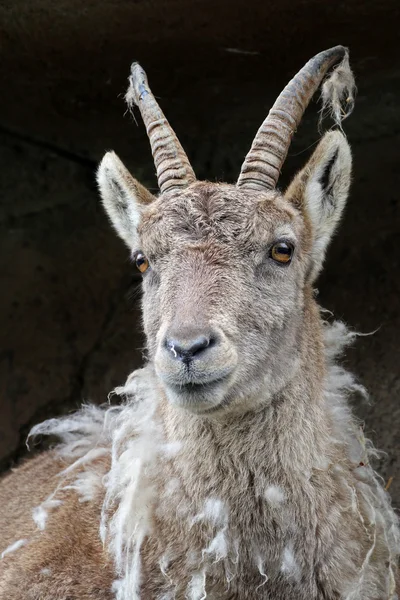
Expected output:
(218, 546)
(289, 565)
(214, 511)
(197, 586)
(88, 485)
(274, 495)
(14, 547)
(172, 486)
(40, 513)
(171, 449)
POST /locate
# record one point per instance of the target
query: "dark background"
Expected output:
(70, 326)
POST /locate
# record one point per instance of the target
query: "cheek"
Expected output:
(271, 301)
(269, 326)
(157, 305)
(151, 310)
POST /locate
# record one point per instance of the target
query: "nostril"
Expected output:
(188, 349)
(200, 344)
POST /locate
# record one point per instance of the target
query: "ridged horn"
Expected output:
(172, 164)
(263, 163)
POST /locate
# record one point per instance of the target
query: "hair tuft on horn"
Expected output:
(338, 93)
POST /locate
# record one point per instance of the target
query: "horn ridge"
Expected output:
(171, 162)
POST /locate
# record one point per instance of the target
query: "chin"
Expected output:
(198, 399)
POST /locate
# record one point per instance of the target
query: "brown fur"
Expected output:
(33, 572)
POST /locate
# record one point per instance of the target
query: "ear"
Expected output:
(320, 190)
(123, 197)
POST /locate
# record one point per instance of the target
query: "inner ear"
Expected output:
(326, 180)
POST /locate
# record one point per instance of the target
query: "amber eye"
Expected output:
(282, 252)
(141, 262)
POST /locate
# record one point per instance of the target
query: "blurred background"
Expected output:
(70, 323)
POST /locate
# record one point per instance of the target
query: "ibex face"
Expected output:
(226, 269)
(221, 298)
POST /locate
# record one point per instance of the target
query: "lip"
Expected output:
(193, 387)
(198, 397)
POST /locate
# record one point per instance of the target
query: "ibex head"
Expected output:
(228, 269)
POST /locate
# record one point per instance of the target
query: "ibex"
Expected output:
(233, 468)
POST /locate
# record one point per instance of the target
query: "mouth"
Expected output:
(193, 387)
(198, 396)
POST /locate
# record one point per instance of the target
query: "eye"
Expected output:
(141, 262)
(282, 252)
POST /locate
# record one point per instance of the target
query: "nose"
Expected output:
(189, 347)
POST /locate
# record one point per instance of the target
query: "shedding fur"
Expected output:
(197, 587)
(218, 546)
(129, 504)
(79, 436)
(40, 513)
(338, 92)
(289, 565)
(274, 495)
(368, 499)
(261, 569)
(215, 512)
(14, 547)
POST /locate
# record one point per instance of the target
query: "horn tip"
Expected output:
(138, 85)
(136, 69)
(340, 49)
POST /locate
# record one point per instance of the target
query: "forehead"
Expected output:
(220, 213)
